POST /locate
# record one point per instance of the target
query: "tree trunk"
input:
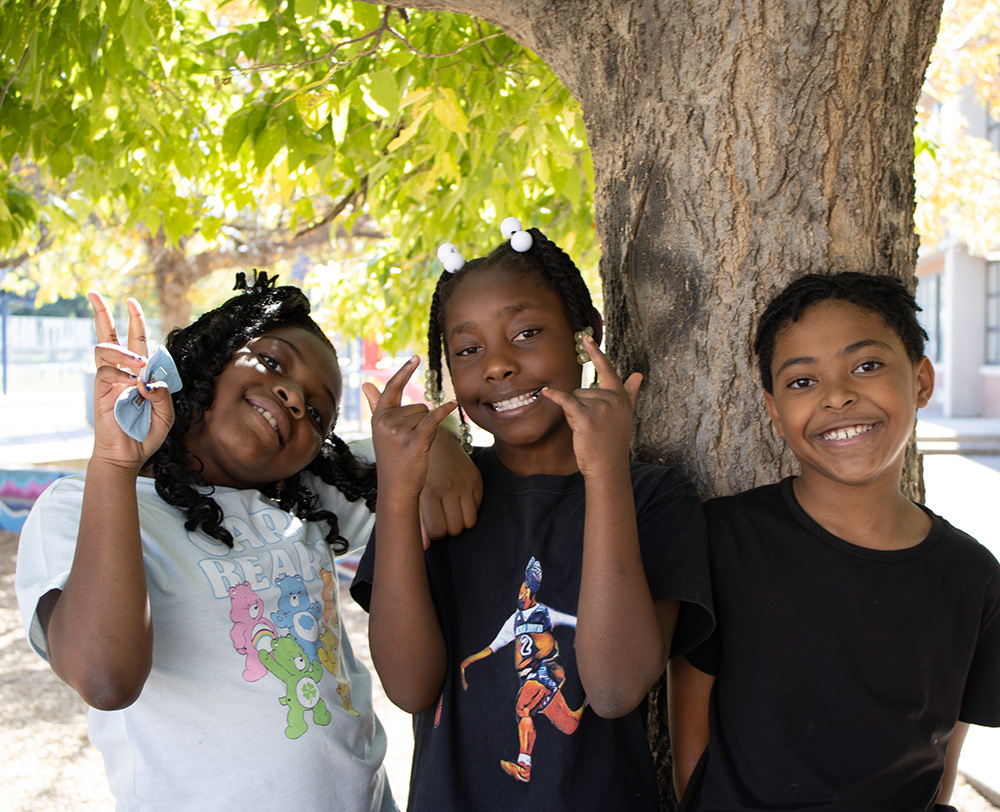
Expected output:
(736, 146)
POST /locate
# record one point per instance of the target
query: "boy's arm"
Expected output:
(955, 742)
(622, 638)
(450, 499)
(688, 692)
(407, 644)
(102, 647)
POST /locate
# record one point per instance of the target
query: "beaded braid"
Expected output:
(201, 351)
(544, 260)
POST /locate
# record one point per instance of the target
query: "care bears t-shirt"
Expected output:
(255, 698)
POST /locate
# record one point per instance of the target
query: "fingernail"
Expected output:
(148, 387)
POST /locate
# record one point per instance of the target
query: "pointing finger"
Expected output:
(392, 395)
(137, 328)
(104, 321)
(371, 392)
(632, 387)
(606, 375)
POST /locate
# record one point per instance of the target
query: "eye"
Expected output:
(315, 414)
(869, 366)
(531, 332)
(800, 383)
(269, 361)
(466, 351)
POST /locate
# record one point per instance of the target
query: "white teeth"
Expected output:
(846, 433)
(268, 417)
(513, 403)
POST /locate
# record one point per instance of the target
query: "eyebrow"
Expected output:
(848, 350)
(517, 307)
(301, 357)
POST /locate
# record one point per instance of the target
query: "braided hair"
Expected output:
(884, 295)
(545, 261)
(201, 351)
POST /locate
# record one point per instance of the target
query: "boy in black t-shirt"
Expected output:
(858, 633)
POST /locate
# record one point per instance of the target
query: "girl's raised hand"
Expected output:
(117, 367)
(601, 419)
(402, 435)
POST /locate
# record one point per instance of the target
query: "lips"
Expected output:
(846, 432)
(515, 402)
(272, 419)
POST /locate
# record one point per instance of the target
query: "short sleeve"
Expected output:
(361, 585)
(45, 551)
(705, 657)
(981, 698)
(673, 541)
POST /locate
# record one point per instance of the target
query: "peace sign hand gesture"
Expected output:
(402, 435)
(117, 367)
(601, 419)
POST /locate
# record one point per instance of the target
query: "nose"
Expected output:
(499, 364)
(292, 396)
(839, 393)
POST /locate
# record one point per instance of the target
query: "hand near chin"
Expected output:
(117, 367)
(402, 435)
(601, 419)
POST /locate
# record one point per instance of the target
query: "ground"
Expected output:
(48, 765)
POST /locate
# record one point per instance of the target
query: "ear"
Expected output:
(598, 327)
(772, 410)
(925, 381)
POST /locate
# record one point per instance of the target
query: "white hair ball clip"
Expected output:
(450, 258)
(520, 240)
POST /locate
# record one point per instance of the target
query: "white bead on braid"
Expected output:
(520, 240)
(450, 258)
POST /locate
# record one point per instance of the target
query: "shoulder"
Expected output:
(763, 499)
(651, 481)
(979, 557)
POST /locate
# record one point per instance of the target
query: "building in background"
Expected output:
(959, 291)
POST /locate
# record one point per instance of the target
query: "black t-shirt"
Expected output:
(841, 670)
(528, 538)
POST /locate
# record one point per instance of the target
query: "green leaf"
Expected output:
(384, 91)
(267, 143)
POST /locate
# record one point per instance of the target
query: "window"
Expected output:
(993, 312)
(929, 299)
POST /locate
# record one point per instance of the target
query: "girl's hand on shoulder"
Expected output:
(601, 419)
(402, 435)
(117, 367)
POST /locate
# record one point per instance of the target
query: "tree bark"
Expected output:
(736, 146)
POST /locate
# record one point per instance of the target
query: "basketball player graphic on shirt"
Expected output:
(540, 674)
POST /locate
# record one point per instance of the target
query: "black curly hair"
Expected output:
(545, 261)
(884, 295)
(201, 351)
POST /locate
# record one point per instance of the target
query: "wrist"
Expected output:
(113, 471)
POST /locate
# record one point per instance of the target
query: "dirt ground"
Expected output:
(48, 765)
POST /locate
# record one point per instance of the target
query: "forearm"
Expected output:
(955, 742)
(688, 692)
(615, 605)
(99, 632)
(406, 641)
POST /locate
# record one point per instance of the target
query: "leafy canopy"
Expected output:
(216, 125)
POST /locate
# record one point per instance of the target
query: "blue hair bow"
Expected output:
(134, 413)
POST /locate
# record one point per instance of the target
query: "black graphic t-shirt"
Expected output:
(512, 729)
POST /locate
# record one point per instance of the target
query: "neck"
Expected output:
(556, 458)
(873, 515)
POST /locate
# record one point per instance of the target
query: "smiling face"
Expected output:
(845, 395)
(274, 403)
(507, 336)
